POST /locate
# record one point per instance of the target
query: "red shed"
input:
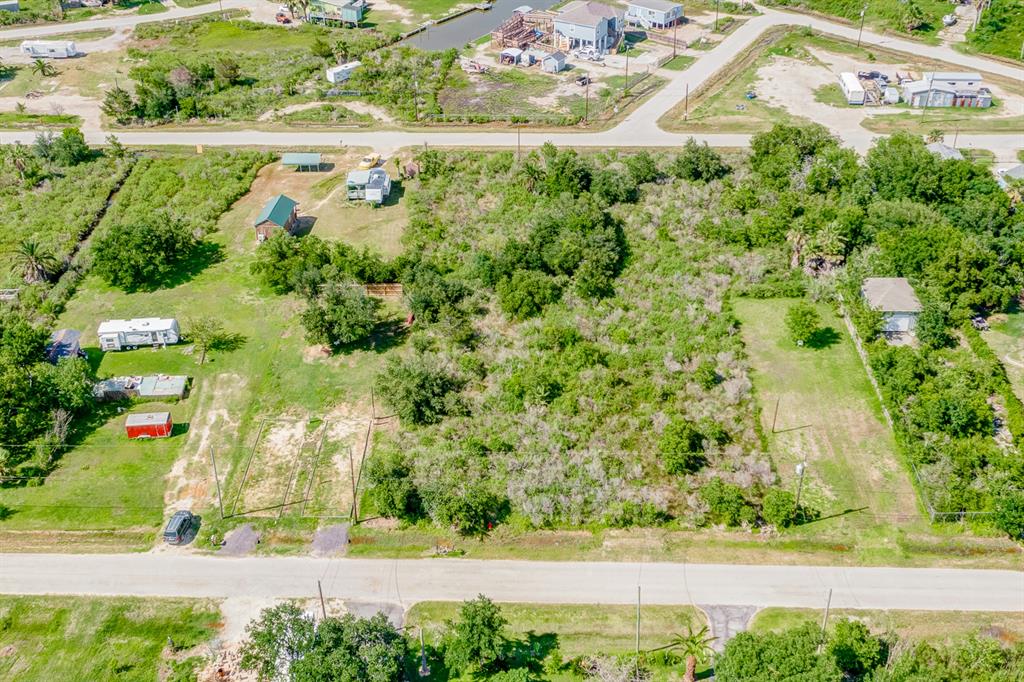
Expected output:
(148, 425)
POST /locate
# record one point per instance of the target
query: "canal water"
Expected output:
(467, 28)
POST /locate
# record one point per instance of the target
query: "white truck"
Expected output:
(49, 49)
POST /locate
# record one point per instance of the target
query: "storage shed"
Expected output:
(155, 387)
(342, 72)
(945, 152)
(280, 213)
(852, 89)
(49, 49)
(64, 343)
(896, 300)
(303, 161)
(143, 331)
(511, 55)
(553, 63)
(149, 425)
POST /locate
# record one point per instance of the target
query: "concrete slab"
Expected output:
(727, 621)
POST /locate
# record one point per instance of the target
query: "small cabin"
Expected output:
(280, 213)
(371, 185)
(148, 425)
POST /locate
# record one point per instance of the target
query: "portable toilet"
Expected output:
(148, 425)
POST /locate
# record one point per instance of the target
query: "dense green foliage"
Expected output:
(802, 321)
(476, 639)
(1001, 30)
(342, 315)
(142, 253)
(575, 357)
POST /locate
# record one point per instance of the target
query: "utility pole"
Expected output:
(416, 100)
(323, 607)
(956, 135)
(686, 103)
(800, 469)
(216, 478)
(424, 668)
(716, 16)
(638, 632)
(519, 136)
(863, 11)
(824, 621)
(626, 91)
(586, 102)
(928, 97)
(675, 25)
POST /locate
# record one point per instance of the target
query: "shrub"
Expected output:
(699, 162)
(682, 447)
(1009, 514)
(343, 315)
(391, 488)
(477, 639)
(802, 321)
(525, 293)
(779, 508)
(726, 503)
(416, 388)
(855, 650)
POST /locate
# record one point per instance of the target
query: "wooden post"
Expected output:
(216, 478)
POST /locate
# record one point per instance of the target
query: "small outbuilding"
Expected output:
(896, 300)
(149, 425)
(1005, 177)
(342, 72)
(155, 387)
(64, 343)
(142, 331)
(945, 152)
(280, 213)
(511, 55)
(553, 63)
(303, 161)
(48, 49)
(372, 185)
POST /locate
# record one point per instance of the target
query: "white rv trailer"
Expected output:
(852, 88)
(49, 49)
(143, 331)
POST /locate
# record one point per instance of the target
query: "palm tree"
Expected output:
(35, 261)
(44, 69)
(797, 239)
(694, 646)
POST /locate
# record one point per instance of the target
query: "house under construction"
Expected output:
(526, 27)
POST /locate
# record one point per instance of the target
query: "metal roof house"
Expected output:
(896, 300)
(64, 343)
(303, 161)
(1005, 177)
(143, 331)
(584, 23)
(156, 387)
(945, 152)
(371, 185)
(336, 12)
(653, 13)
(280, 212)
(947, 89)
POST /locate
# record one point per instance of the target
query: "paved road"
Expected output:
(410, 581)
(640, 128)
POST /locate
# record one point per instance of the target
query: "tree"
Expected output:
(142, 253)
(726, 503)
(115, 149)
(35, 262)
(70, 149)
(694, 646)
(476, 641)
(280, 636)
(642, 167)
(525, 293)
(932, 324)
(682, 447)
(779, 508)
(416, 388)
(392, 491)
(1009, 514)
(351, 649)
(204, 332)
(699, 163)
(119, 105)
(802, 322)
(855, 650)
(321, 49)
(43, 68)
(341, 316)
(226, 71)
(788, 655)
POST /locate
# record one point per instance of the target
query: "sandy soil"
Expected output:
(280, 444)
(378, 113)
(64, 101)
(401, 11)
(790, 83)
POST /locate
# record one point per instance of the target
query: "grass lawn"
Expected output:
(576, 630)
(880, 14)
(83, 638)
(948, 120)
(78, 37)
(935, 626)
(831, 94)
(1006, 337)
(679, 63)
(828, 416)
(13, 119)
(109, 482)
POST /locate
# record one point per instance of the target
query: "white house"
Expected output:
(372, 185)
(945, 152)
(583, 23)
(852, 88)
(342, 72)
(947, 89)
(1008, 175)
(49, 49)
(653, 13)
(143, 331)
(896, 300)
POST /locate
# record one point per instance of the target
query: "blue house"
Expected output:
(587, 25)
(336, 12)
(653, 13)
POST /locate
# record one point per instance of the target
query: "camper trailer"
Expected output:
(341, 73)
(852, 88)
(144, 331)
(49, 49)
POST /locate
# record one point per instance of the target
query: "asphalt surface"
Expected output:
(409, 581)
(638, 129)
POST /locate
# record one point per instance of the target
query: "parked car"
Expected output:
(179, 527)
(369, 161)
(583, 80)
(282, 18)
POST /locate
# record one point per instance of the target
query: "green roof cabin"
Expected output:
(303, 161)
(280, 212)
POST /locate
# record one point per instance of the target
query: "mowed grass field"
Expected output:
(110, 483)
(1006, 338)
(933, 626)
(827, 416)
(573, 629)
(44, 639)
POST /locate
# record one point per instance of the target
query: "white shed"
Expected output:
(896, 300)
(342, 72)
(852, 88)
(49, 49)
(143, 331)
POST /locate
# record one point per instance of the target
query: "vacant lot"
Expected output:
(1006, 337)
(82, 638)
(827, 416)
(935, 626)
